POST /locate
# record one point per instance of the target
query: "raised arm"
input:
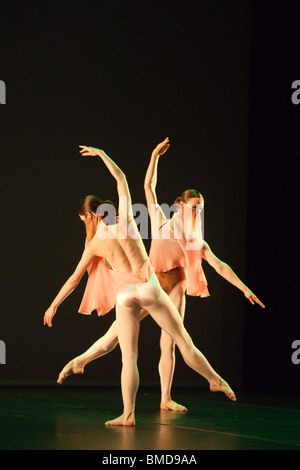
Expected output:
(117, 173)
(70, 284)
(151, 174)
(225, 271)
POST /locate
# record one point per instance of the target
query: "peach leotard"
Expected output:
(103, 284)
(171, 259)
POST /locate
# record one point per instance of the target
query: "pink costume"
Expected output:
(171, 248)
(131, 293)
(103, 285)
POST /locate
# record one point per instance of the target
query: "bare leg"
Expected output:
(128, 322)
(167, 317)
(167, 361)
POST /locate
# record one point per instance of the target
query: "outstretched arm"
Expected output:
(70, 284)
(117, 173)
(151, 174)
(225, 271)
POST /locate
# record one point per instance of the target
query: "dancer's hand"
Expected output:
(88, 151)
(49, 315)
(252, 298)
(161, 148)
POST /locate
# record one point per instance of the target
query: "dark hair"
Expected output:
(188, 194)
(91, 203)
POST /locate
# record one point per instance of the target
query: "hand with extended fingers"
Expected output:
(252, 298)
(161, 148)
(88, 151)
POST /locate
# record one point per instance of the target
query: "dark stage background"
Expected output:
(215, 76)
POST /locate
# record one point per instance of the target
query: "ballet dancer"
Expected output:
(179, 272)
(120, 273)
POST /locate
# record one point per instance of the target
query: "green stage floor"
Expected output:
(69, 418)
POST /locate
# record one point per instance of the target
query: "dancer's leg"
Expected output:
(166, 364)
(167, 317)
(128, 324)
(102, 346)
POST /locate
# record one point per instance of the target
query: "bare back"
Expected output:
(120, 244)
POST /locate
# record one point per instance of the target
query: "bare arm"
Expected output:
(117, 173)
(70, 284)
(225, 271)
(151, 174)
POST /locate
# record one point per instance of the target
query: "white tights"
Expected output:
(134, 302)
(167, 360)
(150, 296)
(166, 366)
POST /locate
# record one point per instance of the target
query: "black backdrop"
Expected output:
(215, 76)
(273, 197)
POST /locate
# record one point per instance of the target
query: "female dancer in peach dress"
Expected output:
(118, 258)
(179, 272)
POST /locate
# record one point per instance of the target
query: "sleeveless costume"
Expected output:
(175, 255)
